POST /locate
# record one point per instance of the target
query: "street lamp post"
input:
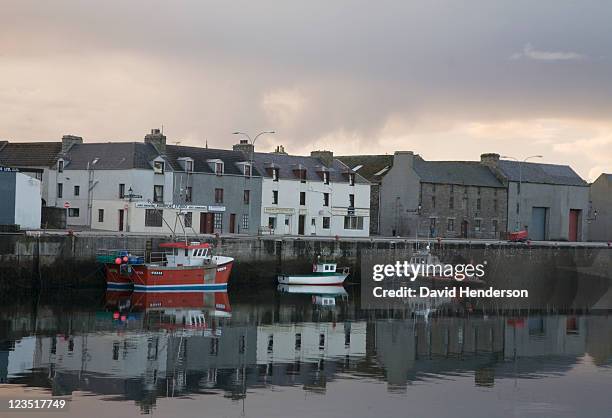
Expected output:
(251, 158)
(518, 197)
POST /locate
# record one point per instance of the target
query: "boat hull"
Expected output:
(335, 279)
(169, 279)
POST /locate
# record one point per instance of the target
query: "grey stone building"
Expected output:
(447, 199)
(225, 181)
(601, 201)
(373, 168)
(551, 201)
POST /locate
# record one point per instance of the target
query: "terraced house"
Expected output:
(310, 195)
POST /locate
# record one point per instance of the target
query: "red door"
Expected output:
(206, 223)
(120, 219)
(232, 223)
(574, 216)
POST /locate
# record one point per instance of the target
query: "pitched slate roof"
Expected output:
(540, 173)
(29, 154)
(288, 163)
(110, 155)
(471, 173)
(371, 167)
(200, 156)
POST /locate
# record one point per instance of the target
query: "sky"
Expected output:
(446, 79)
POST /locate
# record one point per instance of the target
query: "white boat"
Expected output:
(323, 274)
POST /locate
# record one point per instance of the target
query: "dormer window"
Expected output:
(186, 163)
(158, 167)
(326, 177)
(300, 173)
(351, 179)
(60, 166)
(218, 168)
(188, 166)
(275, 174)
(247, 170)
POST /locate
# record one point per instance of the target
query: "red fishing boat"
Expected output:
(184, 266)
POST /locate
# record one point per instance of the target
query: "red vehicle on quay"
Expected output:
(183, 266)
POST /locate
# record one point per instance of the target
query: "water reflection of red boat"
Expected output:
(214, 303)
(182, 267)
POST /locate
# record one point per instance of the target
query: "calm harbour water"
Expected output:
(272, 354)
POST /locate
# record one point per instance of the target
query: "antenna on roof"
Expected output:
(177, 142)
(207, 144)
(162, 129)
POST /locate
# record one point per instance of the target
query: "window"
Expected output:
(100, 215)
(452, 188)
(218, 222)
(478, 191)
(451, 202)
(158, 167)
(188, 165)
(351, 200)
(274, 197)
(158, 193)
(326, 222)
(495, 205)
(247, 197)
(432, 224)
(153, 217)
(245, 222)
(275, 174)
(247, 170)
(325, 199)
(121, 191)
(272, 222)
(302, 198)
(325, 177)
(477, 225)
(433, 202)
(188, 219)
(450, 225)
(298, 341)
(60, 166)
(351, 178)
(313, 222)
(478, 203)
(60, 190)
(218, 168)
(189, 194)
(73, 212)
(77, 190)
(218, 195)
(302, 175)
(353, 222)
(494, 225)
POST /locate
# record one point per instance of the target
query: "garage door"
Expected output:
(537, 229)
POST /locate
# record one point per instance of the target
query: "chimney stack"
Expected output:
(490, 159)
(326, 157)
(246, 147)
(157, 139)
(403, 159)
(68, 141)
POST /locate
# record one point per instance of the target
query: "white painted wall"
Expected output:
(105, 191)
(284, 336)
(288, 209)
(27, 201)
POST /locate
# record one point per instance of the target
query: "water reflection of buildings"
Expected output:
(138, 360)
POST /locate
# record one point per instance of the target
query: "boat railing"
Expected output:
(134, 256)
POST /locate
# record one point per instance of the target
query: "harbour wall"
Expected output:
(68, 260)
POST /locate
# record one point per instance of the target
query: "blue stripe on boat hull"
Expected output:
(119, 286)
(180, 288)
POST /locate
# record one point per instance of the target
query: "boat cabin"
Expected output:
(186, 254)
(324, 267)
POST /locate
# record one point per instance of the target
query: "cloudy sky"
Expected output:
(441, 78)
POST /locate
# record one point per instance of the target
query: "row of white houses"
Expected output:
(154, 187)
